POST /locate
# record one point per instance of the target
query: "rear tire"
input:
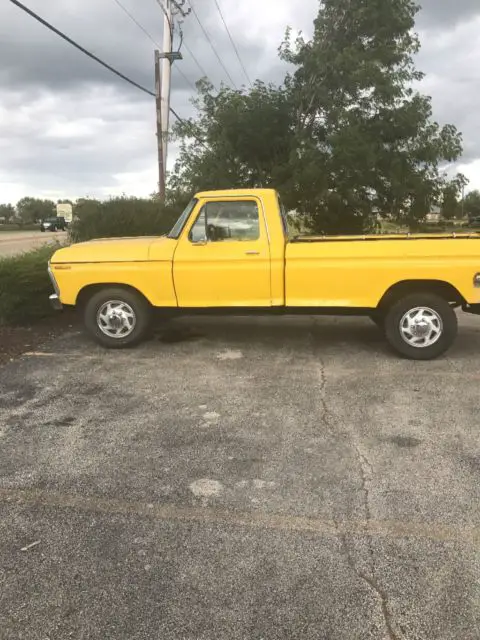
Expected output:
(421, 326)
(117, 318)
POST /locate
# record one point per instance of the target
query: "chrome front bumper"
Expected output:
(55, 302)
(55, 297)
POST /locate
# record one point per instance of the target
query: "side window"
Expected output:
(232, 221)
(224, 221)
(198, 233)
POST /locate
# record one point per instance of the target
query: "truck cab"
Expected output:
(230, 252)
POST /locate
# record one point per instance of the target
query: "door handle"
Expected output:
(252, 253)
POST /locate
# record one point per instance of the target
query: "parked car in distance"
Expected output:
(230, 252)
(53, 224)
(474, 221)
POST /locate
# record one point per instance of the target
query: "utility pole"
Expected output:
(163, 72)
(162, 90)
(166, 72)
(160, 144)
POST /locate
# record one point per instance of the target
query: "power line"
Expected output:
(194, 58)
(94, 57)
(232, 41)
(142, 28)
(165, 13)
(211, 44)
(202, 70)
(132, 17)
(192, 55)
(80, 48)
(189, 82)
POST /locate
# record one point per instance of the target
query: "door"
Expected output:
(223, 256)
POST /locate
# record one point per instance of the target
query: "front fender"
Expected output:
(152, 279)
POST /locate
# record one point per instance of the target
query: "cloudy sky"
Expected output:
(69, 128)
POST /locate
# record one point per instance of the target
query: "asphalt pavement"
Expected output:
(238, 479)
(14, 242)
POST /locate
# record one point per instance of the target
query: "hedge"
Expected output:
(122, 217)
(25, 286)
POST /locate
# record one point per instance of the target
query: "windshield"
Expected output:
(180, 223)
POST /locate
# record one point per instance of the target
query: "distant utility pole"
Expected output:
(160, 143)
(163, 72)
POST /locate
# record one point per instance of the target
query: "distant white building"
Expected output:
(434, 215)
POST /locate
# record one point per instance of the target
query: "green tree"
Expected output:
(450, 203)
(85, 206)
(344, 138)
(238, 139)
(451, 197)
(31, 210)
(362, 124)
(7, 211)
(472, 204)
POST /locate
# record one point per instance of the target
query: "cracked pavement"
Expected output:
(241, 479)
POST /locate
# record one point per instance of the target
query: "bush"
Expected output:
(121, 217)
(25, 286)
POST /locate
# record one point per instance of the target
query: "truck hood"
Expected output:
(116, 250)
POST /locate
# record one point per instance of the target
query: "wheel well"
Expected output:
(87, 292)
(406, 287)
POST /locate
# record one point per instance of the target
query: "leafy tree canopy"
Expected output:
(344, 138)
(31, 210)
(7, 212)
(472, 204)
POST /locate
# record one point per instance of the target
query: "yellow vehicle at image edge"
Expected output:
(229, 251)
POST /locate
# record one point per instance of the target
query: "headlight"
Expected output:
(476, 280)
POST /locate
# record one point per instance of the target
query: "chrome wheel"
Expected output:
(116, 319)
(421, 327)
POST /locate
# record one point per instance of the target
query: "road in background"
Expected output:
(13, 242)
(241, 479)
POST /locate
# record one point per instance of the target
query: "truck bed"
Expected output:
(392, 236)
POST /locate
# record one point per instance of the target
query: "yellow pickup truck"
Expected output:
(230, 252)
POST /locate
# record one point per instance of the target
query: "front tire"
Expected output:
(421, 326)
(117, 318)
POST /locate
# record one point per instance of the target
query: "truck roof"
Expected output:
(234, 193)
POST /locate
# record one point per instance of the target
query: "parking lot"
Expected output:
(241, 479)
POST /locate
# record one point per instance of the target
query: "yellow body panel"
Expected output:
(357, 273)
(142, 263)
(269, 271)
(275, 234)
(223, 274)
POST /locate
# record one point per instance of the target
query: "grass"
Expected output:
(25, 286)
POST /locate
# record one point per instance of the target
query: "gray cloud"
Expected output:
(67, 126)
(441, 13)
